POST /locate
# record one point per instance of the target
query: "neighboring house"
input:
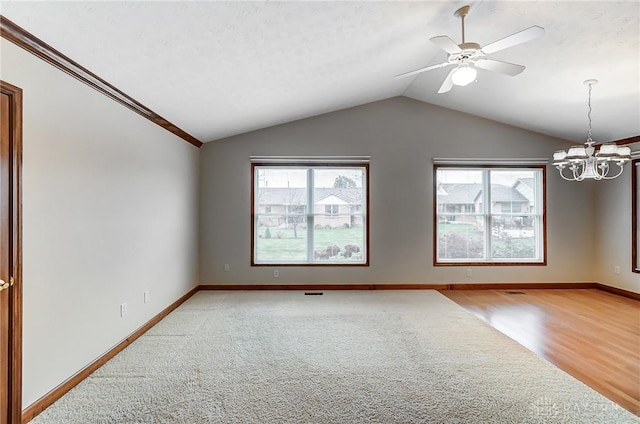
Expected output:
(333, 207)
(468, 198)
(525, 187)
(458, 198)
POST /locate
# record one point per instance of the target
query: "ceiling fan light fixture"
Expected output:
(464, 75)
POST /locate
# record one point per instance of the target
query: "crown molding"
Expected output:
(24, 39)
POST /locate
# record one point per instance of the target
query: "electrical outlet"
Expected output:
(616, 269)
(469, 273)
(123, 310)
(276, 273)
(146, 297)
(226, 267)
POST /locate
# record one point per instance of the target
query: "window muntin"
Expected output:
(317, 214)
(509, 231)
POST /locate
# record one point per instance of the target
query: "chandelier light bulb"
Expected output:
(464, 75)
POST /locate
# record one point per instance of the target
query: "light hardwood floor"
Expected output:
(591, 334)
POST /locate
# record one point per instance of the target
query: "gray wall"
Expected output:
(110, 210)
(401, 136)
(613, 231)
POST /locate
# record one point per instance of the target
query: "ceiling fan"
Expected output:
(469, 56)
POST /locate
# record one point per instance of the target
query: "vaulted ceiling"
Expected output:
(217, 69)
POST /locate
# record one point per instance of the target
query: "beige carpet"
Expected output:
(344, 357)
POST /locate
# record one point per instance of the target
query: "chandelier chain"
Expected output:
(589, 139)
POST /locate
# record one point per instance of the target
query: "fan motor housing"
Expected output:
(469, 51)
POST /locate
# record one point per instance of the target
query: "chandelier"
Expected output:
(588, 162)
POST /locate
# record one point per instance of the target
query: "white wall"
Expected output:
(110, 210)
(401, 136)
(613, 228)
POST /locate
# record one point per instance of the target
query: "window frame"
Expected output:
(543, 219)
(310, 211)
(635, 215)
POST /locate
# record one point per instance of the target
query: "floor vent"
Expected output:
(313, 293)
(514, 292)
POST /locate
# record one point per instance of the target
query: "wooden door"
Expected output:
(10, 255)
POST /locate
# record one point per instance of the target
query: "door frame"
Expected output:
(15, 292)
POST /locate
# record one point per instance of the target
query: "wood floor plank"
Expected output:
(591, 334)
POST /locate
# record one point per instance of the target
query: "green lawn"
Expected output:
(282, 246)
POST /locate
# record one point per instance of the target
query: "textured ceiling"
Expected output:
(217, 69)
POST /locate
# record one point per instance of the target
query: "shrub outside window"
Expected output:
(310, 214)
(489, 215)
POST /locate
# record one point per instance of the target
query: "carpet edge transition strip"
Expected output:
(48, 399)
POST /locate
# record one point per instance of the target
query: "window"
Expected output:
(310, 214)
(331, 209)
(635, 196)
(489, 215)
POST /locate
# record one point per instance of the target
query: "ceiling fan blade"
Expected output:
(447, 85)
(446, 44)
(428, 68)
(514, 39)
(499, 66)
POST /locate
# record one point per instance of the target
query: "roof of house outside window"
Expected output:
(472, 193)
(297, 196)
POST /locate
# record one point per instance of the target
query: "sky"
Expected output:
(457, 176)
(290, 177)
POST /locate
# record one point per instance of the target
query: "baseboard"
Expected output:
(619, 292)
(318, 287)
(416, 286)
(509, 286)
(44, 402)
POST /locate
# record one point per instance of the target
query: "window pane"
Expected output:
(338, 223)
(513, 191)
(286, 242)
(514, 237)
(458, 192)
(461, 237)
(341, 188)
(338, 243)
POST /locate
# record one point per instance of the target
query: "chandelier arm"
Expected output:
(578, 176)
(615, 176)
(561, 171)
(600, 169)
